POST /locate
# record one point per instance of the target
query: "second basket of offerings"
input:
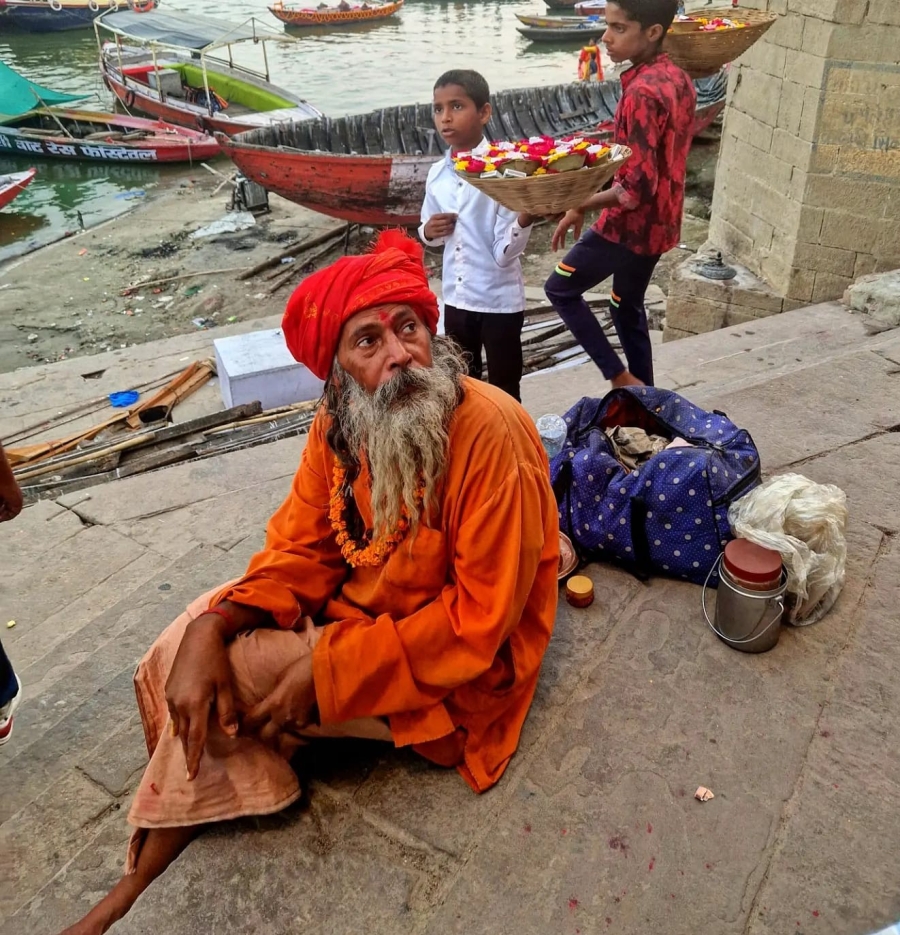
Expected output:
(701, 45)
(541, 175)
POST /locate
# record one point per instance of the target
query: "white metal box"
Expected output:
(259, 366)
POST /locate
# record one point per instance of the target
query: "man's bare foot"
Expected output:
(160, 847)
(626, 378)
(109, 910)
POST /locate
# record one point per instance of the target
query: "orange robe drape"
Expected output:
(446, 638)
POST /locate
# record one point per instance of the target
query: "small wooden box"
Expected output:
(258, 366)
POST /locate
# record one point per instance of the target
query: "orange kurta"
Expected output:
(446, 638)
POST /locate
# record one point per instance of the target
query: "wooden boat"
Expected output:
(163, 64)
(61, 15)
(590, 8)
(83, 134)
(561, 4)
(587, 30)
(14, 184)
(558, 22)
(371, 168)
(300, 17)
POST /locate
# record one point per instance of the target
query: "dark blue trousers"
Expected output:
(589, 262)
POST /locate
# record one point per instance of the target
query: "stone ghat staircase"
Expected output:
(594, 828)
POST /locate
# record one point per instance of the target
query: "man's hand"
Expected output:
(200, 678)
(10, 497)
(440, 225)
(573, 219)
(288, 708)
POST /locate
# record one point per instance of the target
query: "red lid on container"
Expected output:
(751, 562)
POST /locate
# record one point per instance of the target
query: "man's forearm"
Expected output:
(236, 618)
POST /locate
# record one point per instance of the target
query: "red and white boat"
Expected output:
(371, 168)
(14, 184)
(54, 133)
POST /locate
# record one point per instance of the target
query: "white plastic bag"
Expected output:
(806, 522)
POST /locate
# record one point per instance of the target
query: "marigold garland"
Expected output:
(368, 553)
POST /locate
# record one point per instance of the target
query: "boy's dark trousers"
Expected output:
(500, 333)
(589, 262)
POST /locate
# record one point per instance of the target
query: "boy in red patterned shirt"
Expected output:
(642, 210)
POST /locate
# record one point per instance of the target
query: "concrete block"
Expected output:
(675, 334)
(828, 286)
(826, 260)
(742, 314)
(865, 265)
(849, 232)
(771, 169)
(809, 120)
(864, 197)
(817, 35)
(801, 284)
(787, 31)
(756, 133)
(869, 43)
(837, 11)
(766, 57)
(885, 12)
(790, 151)
(731, 241)
(806, 69)
(809, 227)
(790, 107)
(758, 96)
(878, 296)
(689, 313)
(258, 366)
(823, 158)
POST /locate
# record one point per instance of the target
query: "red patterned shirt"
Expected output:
(655, 117)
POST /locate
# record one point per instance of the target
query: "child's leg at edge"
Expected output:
(9, 684)
(502, 333)
(465, 328)
(588, 263)
(629, 315)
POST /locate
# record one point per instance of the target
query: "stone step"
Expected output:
(81, 739)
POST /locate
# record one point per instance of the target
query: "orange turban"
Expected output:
(392, 273)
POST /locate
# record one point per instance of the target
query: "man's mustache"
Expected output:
(403, 385)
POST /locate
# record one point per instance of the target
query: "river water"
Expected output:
(340, 71)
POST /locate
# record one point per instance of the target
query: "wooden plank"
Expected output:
(411, 137)
(372, 131)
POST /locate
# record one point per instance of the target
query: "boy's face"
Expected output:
(624, 38)
(457, 119)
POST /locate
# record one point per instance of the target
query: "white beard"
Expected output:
(402, 430)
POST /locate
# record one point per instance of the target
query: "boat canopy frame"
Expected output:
(181, 32)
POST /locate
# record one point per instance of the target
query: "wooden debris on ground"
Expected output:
(156, 407)
(547, 341)
(162, 444)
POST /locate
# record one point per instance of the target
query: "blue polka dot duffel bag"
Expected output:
(667, 515)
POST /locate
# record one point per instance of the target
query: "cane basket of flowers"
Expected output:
(701, 45)
(542, 176)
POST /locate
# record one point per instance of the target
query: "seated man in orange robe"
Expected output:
(421, 536)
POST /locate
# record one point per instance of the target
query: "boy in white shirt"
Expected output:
(484, 292)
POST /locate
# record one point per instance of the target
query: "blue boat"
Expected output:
(62, 15)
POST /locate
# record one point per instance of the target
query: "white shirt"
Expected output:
(482, 272)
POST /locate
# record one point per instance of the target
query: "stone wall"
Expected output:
(808, 185)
